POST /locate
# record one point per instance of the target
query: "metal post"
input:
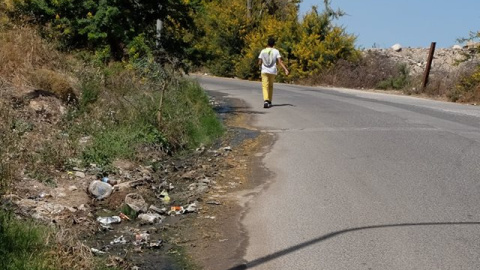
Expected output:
(159, 31)
(249, 9)
(429, 65)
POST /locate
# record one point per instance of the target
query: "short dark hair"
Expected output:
(271, 41)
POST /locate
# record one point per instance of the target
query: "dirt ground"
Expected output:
(219, 243)
(217, 180)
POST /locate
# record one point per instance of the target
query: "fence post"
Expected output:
(429, 65)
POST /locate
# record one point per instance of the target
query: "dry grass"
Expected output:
(53, 82)
(367, 73)
(69, 252)
(23, 51)
(377, 71)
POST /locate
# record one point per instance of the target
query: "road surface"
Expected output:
(363, 180)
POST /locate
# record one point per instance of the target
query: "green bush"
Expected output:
(188, 119)
(468, 89)
(107, 27)
(398, 82)
(143, 105)
(23, 244)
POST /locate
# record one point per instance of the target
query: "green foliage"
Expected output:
(119, 25)
(221, 36)
(307, 47)
(468, 89)
(321, 43)
(122, 115)
(23, 244)
(8, 141)
(188, 119)
(283, 26)
(120, 141)
(398, 82)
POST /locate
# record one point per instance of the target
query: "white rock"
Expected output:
(397, 47)
(80, 174)
(457, 47)
(150, 218)
(136, 202)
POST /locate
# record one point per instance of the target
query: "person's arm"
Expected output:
(280, 62)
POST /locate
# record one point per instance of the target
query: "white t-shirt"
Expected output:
(269, 58)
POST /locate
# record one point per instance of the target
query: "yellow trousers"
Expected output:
(267, 86)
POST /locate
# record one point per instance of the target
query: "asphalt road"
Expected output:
(363, 180)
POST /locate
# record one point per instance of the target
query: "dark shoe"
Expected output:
(266, 104)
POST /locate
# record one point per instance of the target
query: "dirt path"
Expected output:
(218, 241)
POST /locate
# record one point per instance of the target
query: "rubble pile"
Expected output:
(444, 60)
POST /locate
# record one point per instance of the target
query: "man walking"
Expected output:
(268, 58)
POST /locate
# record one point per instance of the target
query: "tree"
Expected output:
(321, 43)
(223, 25)
(110, 25)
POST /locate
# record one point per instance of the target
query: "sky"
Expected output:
(410, 23)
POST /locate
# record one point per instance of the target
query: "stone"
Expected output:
(80, 174)
(189, 175)
(397, 47)
(191, 208)
(161, 211)
(136, 202)
(457, 47)
(84, 140)
(150, 218)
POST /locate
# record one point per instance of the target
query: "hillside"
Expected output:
(84, 141)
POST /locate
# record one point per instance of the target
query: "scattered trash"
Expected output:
(109, 220)
(161, 211)
(141, 238)
(118, 240)
(156, 244)
(97, 252)
(164, 197)
(136, 202)
(123, 216)
(191, 208)
(178, 210)
(42, 195)
(107, 180)
(214, 202)
(100, 190)
(228, 148)
(150, 218)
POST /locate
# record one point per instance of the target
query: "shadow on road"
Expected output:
(292, 249)
(282, 105)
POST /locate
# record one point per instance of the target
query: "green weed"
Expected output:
(398, 82)
(23, 244)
